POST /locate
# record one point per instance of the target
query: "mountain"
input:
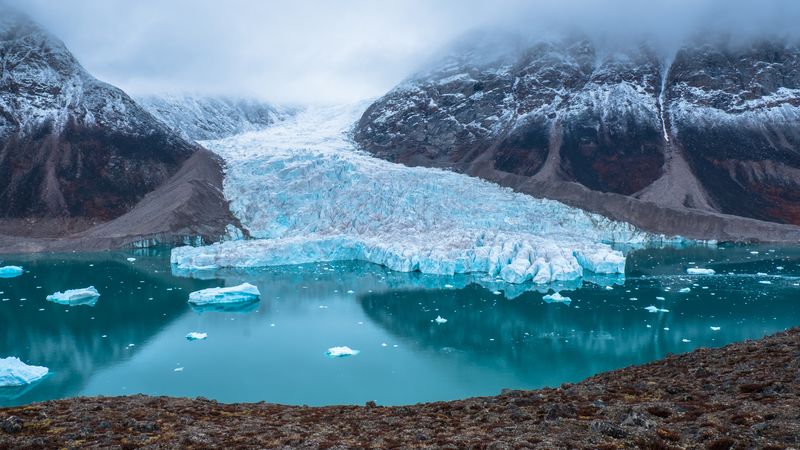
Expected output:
(202, 118)
(76, 152)
(703, 142)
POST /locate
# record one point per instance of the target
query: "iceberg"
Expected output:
(243, 293)
(341, 352)
(556, 298)
(73, 297)
(440, 320)
(14, 372)
(196, 336)
(10, 271)
(700, 271)
(305, 194)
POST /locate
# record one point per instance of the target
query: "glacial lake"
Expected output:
(496, 336)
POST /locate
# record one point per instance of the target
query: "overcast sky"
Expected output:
(326, 51)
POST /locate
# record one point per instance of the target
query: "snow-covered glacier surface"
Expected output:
(306, 194)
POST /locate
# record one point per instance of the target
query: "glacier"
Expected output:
(73, 297)
(243, 293)
(14, 372)
(10, 271)
(305, 194)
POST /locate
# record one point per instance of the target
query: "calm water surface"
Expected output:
(496, 336)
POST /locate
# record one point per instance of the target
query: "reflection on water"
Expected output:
(496, 335)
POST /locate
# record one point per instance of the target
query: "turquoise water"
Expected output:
(132, 340)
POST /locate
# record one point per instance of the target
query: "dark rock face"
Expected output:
(70, 145)
(707, 133)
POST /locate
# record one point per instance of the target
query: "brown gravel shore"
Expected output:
(742, 396)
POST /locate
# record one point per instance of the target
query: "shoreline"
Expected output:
(743, 395)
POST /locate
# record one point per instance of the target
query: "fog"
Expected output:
(329, 51)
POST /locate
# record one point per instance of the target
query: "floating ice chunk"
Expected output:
(243, 293)
(440, 320)
(765, 281)
(609, 288)
(196, 336)
(762, 274)
(178, 369)
(72, 297)
(655, 309)
(341, 352)
(660, 298)
(10, 271)
(556, 298)
(684, 290)
(14, 372)
(686, 340)
(713, 328)
(130, 259)
(700, 271)
(754, 252)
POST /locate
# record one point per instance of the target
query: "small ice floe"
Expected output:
(14, 372)
(556, 298)
(10, 271)
(609, 288)
(243, 293)
(699, 271)
(765, 281)
(713, 328)
(754, 252)
(73, 297)
(384, 344)
(130, 259)
(779, 268)
(686, 340)
(351, 291)
(196, 336)
(655, 309)
(178, 369)
(496, 292)
(440, 320)
(449, 286)
(341, 352)
(684, 290)
(762, 274)
(660, 298)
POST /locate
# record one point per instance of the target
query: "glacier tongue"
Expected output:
(306, 194)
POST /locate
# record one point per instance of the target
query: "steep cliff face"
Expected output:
(202, 118)
(632, 133)
(70, 145)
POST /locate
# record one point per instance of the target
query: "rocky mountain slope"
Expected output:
(699, 142)
(206, 118)
(75, 152)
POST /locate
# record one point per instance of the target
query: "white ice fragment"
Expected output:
(244, 292)
(130, 259)
(178, 369)
(765, 281)
(341, 352)
(686, 340)
(713, 328)
(609, 288)
(685, 290)
(700, 271)
(762, 274)
(14, 372)
(496, 292)
(754, 252)
(556, 298)
(440, 320)
(660, 298)
(655, 309)
(10, 271)
(196, 336)
(72, 297)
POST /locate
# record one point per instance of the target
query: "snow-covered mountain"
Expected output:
(202, 118)
(72, 145)
(673, 142)
(76, 152)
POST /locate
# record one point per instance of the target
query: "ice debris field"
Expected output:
(306, 194)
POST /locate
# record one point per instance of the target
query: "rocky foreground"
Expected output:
(744, 395)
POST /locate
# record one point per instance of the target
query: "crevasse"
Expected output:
(306, 194)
